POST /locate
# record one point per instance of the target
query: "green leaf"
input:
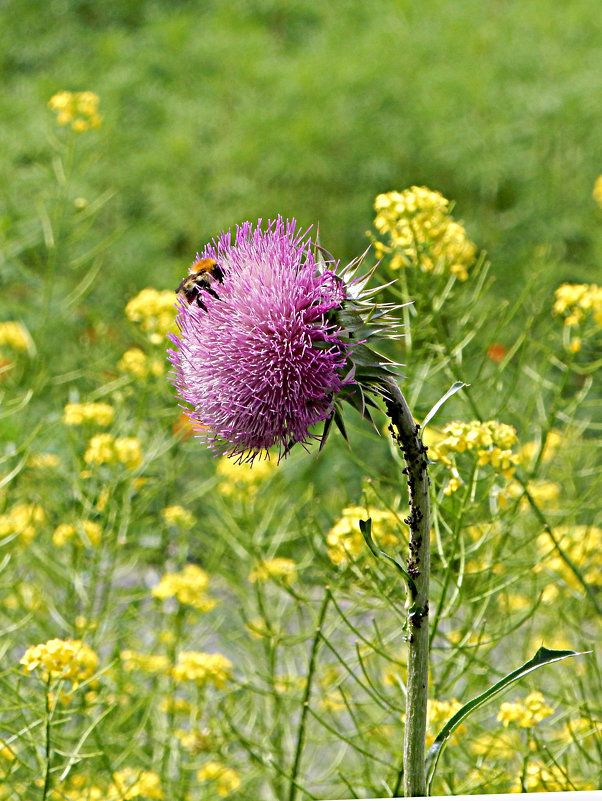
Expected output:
(366, 529)
(451, 391)
(544, 656)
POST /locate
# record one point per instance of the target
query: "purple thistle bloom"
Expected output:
(258, 358)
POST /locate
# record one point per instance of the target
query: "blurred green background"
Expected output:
(216, 112)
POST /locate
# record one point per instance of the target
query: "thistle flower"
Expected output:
(272, 346)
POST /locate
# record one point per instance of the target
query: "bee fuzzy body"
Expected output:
(204, 272)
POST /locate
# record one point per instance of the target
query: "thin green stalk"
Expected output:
(407, 434)
(306, 695)
(47, 747)
(452, 556)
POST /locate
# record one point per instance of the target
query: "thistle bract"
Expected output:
(266, 352)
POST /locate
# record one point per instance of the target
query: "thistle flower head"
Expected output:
(264, 350)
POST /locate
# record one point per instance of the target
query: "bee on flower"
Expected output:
(277, 344)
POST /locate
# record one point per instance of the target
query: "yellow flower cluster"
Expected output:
(421, 232)
(578, 730)
(597, 192)
(147, 663)
(529, 449)
(583, 545)
(195, 741)
(491, 440)
(540, 778)
(346, 542)
(178, 516)
(43, 461)
(14, 335)
(497, 745)
(87, 532)
(6, 751)
(105, 449)
(278, 568)
(79, 109)
(155, 311)
(75, 414)
(78, 788)
(526, 713)
(575, 303)
(22, 520)
(226, 780)
(189, 586)
(241, 480)
(129, 783)
(138, 364)
(438, 713)
(203, 668)
(544, 493)
(61, 659)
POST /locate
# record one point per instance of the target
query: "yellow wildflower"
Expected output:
(226, 780)
(22, 520)
(510, 712)
(129, 452)
(527, 713)
(277, 568)
(578, 730)
(576, 303)
(241, 480)
(77, 788)
(76, 414)
(421, 232)
(134, 361)
(7, 752)
(154, 310)
(543, 778)
(258, 628)
(101, 449)
(195, 741)
(453, 485)
(203, 668)
(148, 663)
(438, 713)
(345, 541)
(15, 336)
(582, 544)
(61, 659)
(63, 534)
(597, 191)
(89, 532)
(183, 706)
(178, 516)
(78, 109)
(43, 461)
(105, 449)
(129, 783)
(529, 449)
(497, 745)
(491, 440)
(188, 586)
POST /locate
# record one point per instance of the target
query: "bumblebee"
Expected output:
(203, 273)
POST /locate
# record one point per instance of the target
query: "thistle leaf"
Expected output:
(451, 391)
(544, 656)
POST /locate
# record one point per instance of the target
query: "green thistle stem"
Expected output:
(407, 434)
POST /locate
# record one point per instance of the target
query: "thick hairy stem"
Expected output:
(407, 434)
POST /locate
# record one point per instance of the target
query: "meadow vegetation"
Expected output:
(177, 626)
